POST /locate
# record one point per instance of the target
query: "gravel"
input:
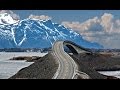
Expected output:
(91, 63)
(44, 68)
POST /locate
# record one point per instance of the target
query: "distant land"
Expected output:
(42, 50)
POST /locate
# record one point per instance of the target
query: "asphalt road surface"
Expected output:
(68, 68)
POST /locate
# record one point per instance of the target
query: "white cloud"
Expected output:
(104, 30)
(41, 17)
(14, 16)
(81, 26)
(106, 22)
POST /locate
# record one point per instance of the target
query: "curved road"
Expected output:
(67, 69)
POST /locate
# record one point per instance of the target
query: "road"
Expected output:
(68, 68)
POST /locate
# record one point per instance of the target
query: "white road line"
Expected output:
(67, 66)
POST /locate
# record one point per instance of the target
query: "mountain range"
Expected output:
(36, 33)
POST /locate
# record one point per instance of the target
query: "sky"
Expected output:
(67, 15)
(100, 26)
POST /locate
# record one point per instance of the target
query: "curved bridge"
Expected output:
(68, 68)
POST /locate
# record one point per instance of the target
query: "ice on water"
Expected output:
(10, 67)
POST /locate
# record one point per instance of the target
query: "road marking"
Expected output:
(67, 66)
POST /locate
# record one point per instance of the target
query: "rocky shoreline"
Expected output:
(91, 64)
(27, 58)
(43, 68)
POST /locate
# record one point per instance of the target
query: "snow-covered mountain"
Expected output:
(33, 33)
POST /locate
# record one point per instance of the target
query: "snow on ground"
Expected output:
(111, 73)
(8, 55)
(8, 67)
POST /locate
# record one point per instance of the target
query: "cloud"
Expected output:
(13, 15)
(41, 17)
(106, 22)
(81, 26)
(104, 30)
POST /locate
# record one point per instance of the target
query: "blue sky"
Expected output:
(67, 15)
(101, 26)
